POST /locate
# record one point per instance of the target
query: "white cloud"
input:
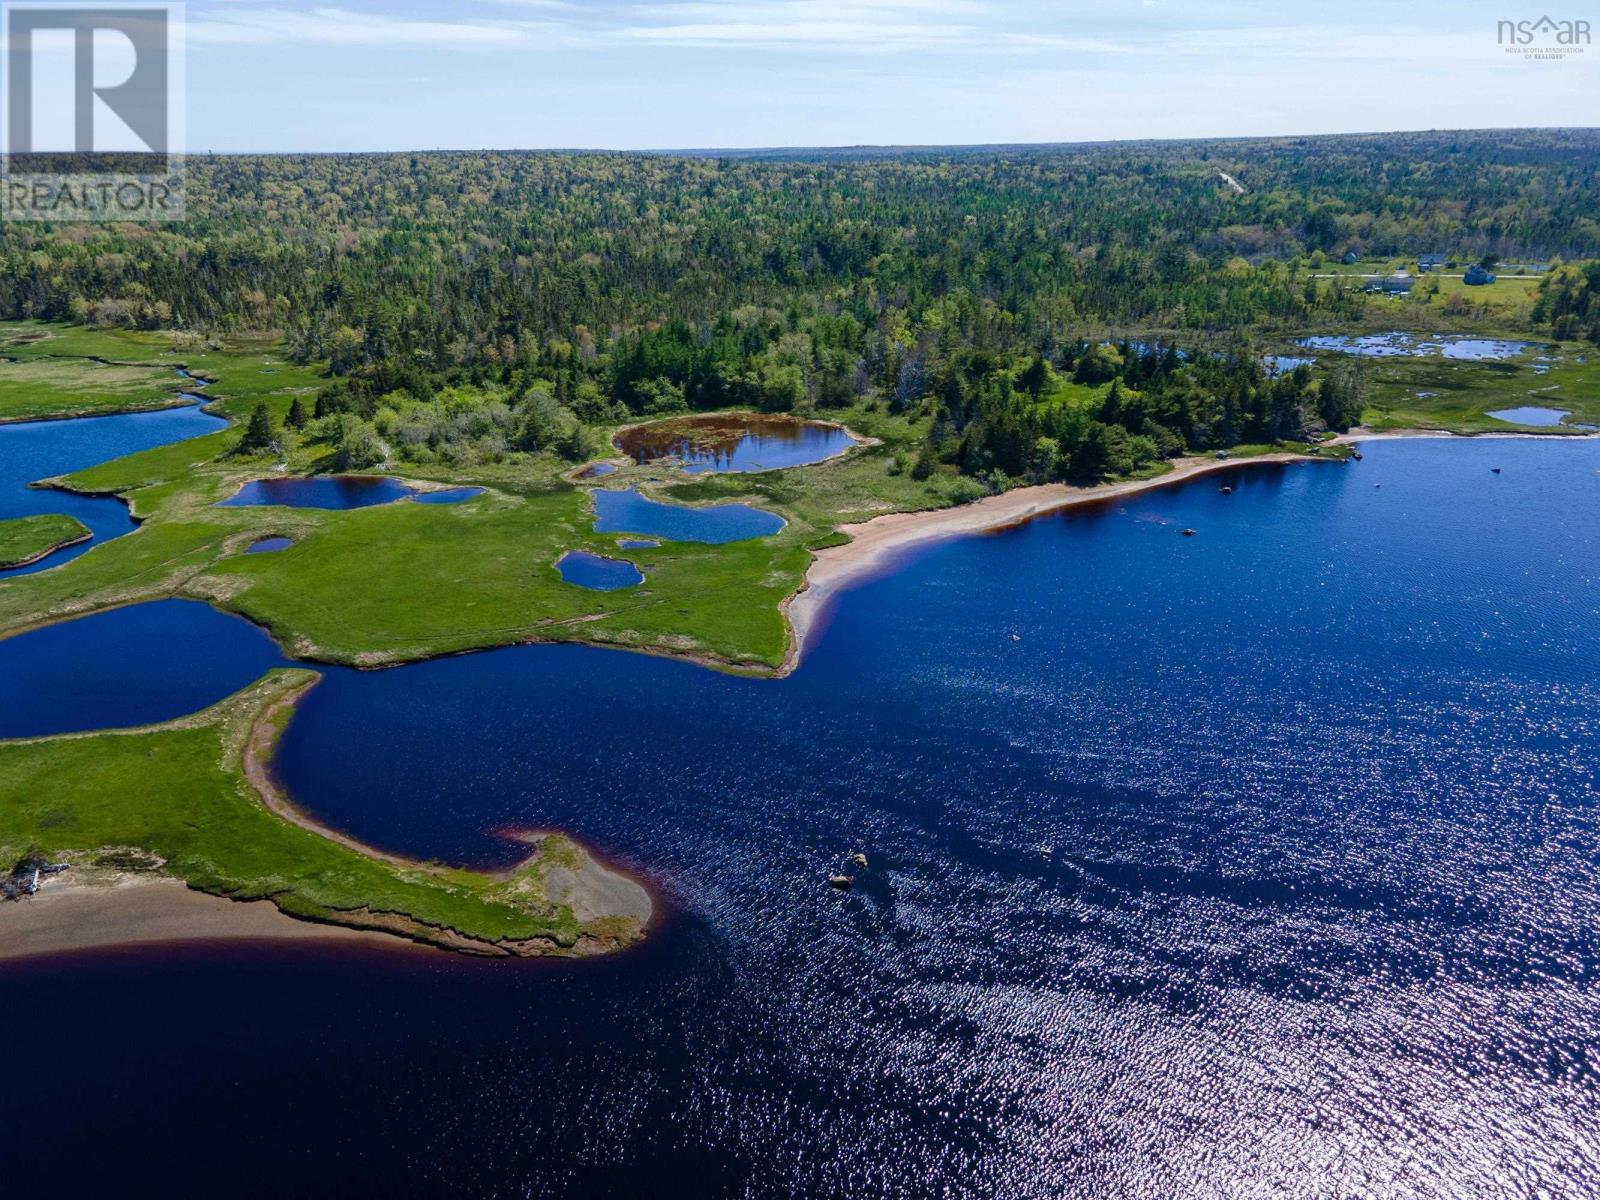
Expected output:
(341, 27)
(847, 25)
(856, 36)
(975, 29)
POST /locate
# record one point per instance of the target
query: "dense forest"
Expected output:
(960, 285)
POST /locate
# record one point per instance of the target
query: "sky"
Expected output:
(278, 75)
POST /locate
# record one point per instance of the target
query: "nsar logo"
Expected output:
(1545, 37)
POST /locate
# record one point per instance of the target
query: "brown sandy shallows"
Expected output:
(99, 910)
(873, 544)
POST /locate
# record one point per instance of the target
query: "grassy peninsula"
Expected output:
(25, 540)
(178, 799)
(50, 372)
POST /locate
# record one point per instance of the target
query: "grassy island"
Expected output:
(190, 799)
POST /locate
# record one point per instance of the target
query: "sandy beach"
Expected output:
(875, 543)
(149, 910)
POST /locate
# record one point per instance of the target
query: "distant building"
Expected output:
(1398, 284)
(1430, 262)
(1477, 275)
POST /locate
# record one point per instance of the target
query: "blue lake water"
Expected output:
(1282, 364)
(269, 545)
(319, 491)
(36, 450)
(339, 492)
(596, 572)
(455, 495)
(1417, 345)
(129, 666)
(1319, 916)
(1534, 415)
(631, 512)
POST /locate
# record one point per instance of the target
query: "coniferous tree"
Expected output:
(258, 438)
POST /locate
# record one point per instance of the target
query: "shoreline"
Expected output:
(875, 543)
(1358, 435)
(597, 890)
(102, 908)
(111, 911)
(86, 536)
(180, 401)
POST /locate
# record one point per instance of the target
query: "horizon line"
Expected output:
(900, 147)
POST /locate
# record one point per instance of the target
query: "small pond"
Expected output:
(338, 492)
(1282, 364)
(172, 657)
(595, 470)
(1535, 415)
(268, 545)
(448, 495)
(747, 442)
(597, 573)
(320, 491)
(1418, 345)
(630, 512)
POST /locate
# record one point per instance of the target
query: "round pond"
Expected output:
(734, 442)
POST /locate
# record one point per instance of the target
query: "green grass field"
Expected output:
(50, 370)
(408, 581)
(176, 793)
(1440, 299)
(28, 539)
(1509, 298)
(1433, 393)
(40, 387)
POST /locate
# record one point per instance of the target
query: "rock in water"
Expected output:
(840, 883)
